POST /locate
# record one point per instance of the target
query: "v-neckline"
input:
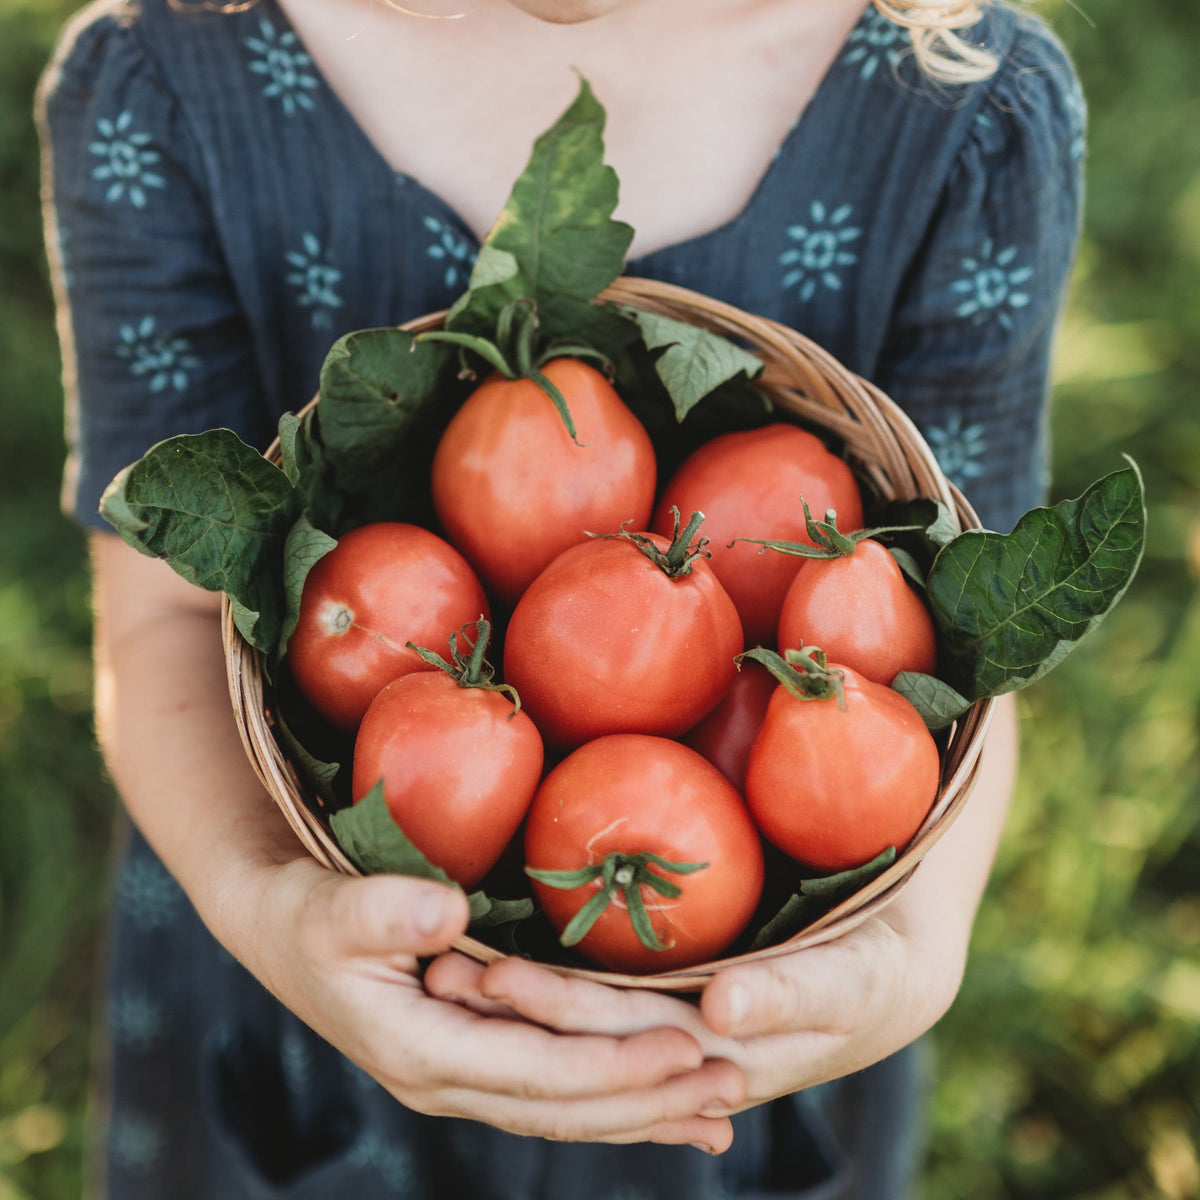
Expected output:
(633, 266)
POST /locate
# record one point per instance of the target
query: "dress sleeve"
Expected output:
(969, 344)
(153, 340)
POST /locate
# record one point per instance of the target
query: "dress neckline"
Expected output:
(790, 145)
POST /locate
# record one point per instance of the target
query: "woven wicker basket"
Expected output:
(884, 447)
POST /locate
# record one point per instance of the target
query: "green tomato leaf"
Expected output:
(694, 361)
(373, 384)
(375, 844)
(1010, 607)
(557, 229)
(909, 565)
(817, 896)
(487, 912)
(496, 273)
(937, 702)
(218, 513)
(305, 546)
(384, 398)
(290, 446)
(314, 772)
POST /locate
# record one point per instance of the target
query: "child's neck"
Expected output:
(699, 94)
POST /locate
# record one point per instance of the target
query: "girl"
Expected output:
(227, 192)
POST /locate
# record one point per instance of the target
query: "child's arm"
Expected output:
(800, 1019)
(343, 953)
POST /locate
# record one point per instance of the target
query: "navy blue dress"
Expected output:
(216, 218)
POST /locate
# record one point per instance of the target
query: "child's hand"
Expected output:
(343, 955)
(804, 1018)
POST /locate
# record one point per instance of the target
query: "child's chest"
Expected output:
(699, 96)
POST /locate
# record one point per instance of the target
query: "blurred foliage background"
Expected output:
(1070, 1066)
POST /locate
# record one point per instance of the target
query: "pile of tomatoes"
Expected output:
(625, 611)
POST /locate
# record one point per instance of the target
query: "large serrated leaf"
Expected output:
(556, 228)
(384, 398)
(1009, 607)
(375, 843)
(373, 384)
(694, 361)
(218, 512)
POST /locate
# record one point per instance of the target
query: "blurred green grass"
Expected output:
(1070, 1065)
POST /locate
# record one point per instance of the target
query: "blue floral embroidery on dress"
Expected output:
(452, 248)
(137, 1021)
(161, 356)
(280, 59)
(392, 1161)
(147, 894)
(136, 1143)
(315, 280)
(126, 159)
(875, 40)
(991, 286)
(958, 448)
(820, 257)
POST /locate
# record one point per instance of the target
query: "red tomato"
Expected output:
(381, 586)
(459, 768)
(861, 611)
(749, 484)
(833, 786)
(724, 737)
(603, 641)
(512, 490)
(628, 795)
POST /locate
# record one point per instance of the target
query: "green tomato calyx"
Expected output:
(472, 669)
(618, 875)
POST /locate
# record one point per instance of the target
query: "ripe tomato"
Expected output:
(605, 641)
(861, 611)
(628, 795)
(381, 586)
(749, 484)
(834, 784)
(513, 490)
(459, 768)
(724, 737)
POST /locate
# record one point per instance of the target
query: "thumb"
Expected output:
(389, 915)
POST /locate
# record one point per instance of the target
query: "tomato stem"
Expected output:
(623, 874)
(677, 559)
(803, 672)
(473, 670)
(828, 541)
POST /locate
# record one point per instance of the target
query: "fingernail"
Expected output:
(740, 1004)
(428, 914)
(709, 1150)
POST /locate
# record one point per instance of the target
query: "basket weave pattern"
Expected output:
(885, 449)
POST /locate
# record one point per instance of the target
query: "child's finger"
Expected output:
(456, 977)
(573, 1005)
(382, 916)
(668, 1110)
(839, 988)
(517, 1059)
